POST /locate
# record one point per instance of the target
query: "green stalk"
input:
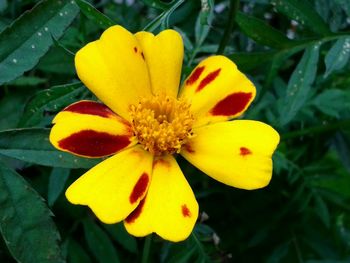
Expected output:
(146, 249)
(234, 6)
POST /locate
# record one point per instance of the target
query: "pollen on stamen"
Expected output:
(162, 124)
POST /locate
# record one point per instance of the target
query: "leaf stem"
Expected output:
(316, 129)
(146, 249)
(234, 6)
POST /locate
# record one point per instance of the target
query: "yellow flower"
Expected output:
(146, 120)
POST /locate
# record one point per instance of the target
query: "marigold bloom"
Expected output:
(144, 120)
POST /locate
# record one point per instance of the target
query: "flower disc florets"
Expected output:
(162, 124)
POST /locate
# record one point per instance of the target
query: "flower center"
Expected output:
(162, 124)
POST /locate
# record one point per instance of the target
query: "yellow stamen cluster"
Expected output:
(162, 124)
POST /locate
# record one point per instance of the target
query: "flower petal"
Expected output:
(169, 208)
(114, 188)
(217, 91)
(90, 129)
(164, 55)
(114, 69)
(236, 153)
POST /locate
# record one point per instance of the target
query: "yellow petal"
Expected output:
(236, 153)
(114, 69)
(114, 188)
(169, 209)
(164, 55)
(90, 129)
(217, 91)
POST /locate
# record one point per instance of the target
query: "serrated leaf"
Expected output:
(304, 13)
(50, 100)
(299, 84)
(262, 33)
(26, 40)
(25, 221)
(338, 56)
(57, 181)
(33, 146)
(94, 15)
(118, 232)
(99, 243)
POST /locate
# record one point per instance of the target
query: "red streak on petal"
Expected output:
(185, 211)
(143, 56)
(244, 151)
(136, 213)
(135, 49)
(139, 188)
(208, 79)
(90, 107)
(195, 75)
(94, 144)
(232, 104)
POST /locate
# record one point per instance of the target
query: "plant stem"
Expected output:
(146, 249)
(234, 5)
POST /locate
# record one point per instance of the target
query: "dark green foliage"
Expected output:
(295, 51)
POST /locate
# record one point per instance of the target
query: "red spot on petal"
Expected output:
(188, 148)
(161, 162)
(195, 75)
(185, 211)
(139, 188)
(232, 104)
(136, 213)
(244, 151)
(94, 144)
(135, 49)
(90, 107)
(208, 79)
(142, 55)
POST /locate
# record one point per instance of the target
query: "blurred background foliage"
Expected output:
(297, 54)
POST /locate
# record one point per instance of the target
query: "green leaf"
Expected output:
(99, 243)
(25, 221)
(261, 32)
(345, 5)
(163, 18)
(33, 146)
(50, 101)
(58, 61)
(156, 4)
(332, 102)
(76, 253)
(203, 22)
(94, 15)
(57, 181)
(25, 41)
(118, 232)
(11, 109)
(299, 84)
(250, 60)
(322, 210)
(303, 12)
(338, 56)
(27, 81)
